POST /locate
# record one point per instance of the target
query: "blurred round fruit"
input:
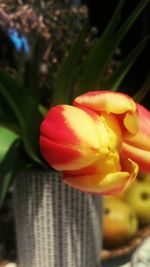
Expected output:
(119, 222)
(138, 197)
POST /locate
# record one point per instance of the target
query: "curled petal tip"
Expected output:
(119, 104)
(138, 147)
(131, 123)
(97, 182)
(108, 101)
(139, 155)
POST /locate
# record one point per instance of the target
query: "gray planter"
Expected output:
(56, 226)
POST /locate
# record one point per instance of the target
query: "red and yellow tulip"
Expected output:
(85, 141)
(138, 146)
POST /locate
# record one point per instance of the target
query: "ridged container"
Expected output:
(56, 226)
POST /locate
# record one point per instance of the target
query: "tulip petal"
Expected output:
(131, 123)
(144, 115)
(117, 103)
(129, 166)
(109, 163)
(140, 156)
(138, 146)
(101, 180)
(110, 102)
(110, 134)
(112, 183)
(142, 138)
(69, 138)
(59, 156)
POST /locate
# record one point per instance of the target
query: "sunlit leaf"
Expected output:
(7, 137)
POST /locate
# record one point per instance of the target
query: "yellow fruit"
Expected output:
(119, 222)
(138, 197)
(121, 195)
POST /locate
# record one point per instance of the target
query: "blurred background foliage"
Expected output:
(59, 22)
(99, 16)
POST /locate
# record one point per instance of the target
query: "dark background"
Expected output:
(100, 13)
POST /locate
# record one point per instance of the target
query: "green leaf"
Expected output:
(32, 69)
(16, 96)
(140, 95)
(100, 56)
(7, 137)
(25, 109)
(43, 110)
(4, 186)
(9, 167)
(67, 74)
(119, 74)
(7, 118)
(130, 20)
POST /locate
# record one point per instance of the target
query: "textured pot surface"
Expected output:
(56, 226)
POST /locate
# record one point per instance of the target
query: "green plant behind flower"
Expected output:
(91, 74)
(21, 109)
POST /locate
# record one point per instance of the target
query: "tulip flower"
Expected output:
(119, 104)
(138, 146)
(85, 141)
